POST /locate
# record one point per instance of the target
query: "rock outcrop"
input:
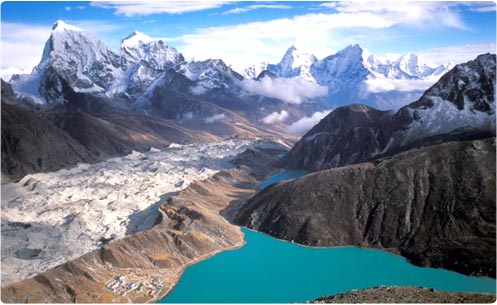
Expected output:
(388, 294)
(31, 143)
(435, 206)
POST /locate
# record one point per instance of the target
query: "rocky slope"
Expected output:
(386, 294)
(89, 125)
(435, 206)
(189, 227)
(461, 105)
(294, 64)
(31, 143)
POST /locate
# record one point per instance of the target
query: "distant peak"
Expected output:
(291, 49)
(356, 50)
(410, 54)
(135, 38)
(409, 59)
(355, 46)
(135, 33)
(61, 25)
(289, 52)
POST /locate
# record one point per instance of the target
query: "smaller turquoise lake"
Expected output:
(283, 175)
(267, 270)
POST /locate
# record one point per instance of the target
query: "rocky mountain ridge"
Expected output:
(78, 59)
(434, 206)
(347, 74)
(461, 105)
(147, 77)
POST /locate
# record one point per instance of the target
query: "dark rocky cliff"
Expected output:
(435, 206)
(31, 143)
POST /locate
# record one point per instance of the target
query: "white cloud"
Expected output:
(457, 53)
(140, 8)
(378, 85)
(67, 8)
(292, 91)
(325, 32)
(245, 9)
(482, 7)
(22, 45)
(306, 123)
(215, 118)
(198, 90)
(266, 41)
(6, 74)
(275, 117)
(420, 13)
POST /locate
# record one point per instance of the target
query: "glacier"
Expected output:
(50, 218)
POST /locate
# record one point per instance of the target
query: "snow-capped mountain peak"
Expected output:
(411, 64)
(294, 64)
(60, 25)
(71, 57)
(211, 73)
(295, 58)
(354, 52)
(342, 69)
(135, 39)
(255, 70)
(138, 47)
(70, 40)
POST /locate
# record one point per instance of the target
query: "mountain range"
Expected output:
(354, 75)
(84, 88)
(461, 105)
(145, 96)
(416, 178)
(79, 60)
(301, 64)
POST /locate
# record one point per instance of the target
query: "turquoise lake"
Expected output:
(283, 175)
(267, 270)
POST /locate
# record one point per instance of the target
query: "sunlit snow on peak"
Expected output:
(60, 25)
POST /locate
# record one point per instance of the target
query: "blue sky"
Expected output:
(243, 33)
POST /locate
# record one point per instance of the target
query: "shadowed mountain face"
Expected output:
(97, 126)
(34, 141)
(435, 206)
(31, 143)
(461, 106)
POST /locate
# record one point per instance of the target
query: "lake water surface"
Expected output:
(283, 175)
(267, 270)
